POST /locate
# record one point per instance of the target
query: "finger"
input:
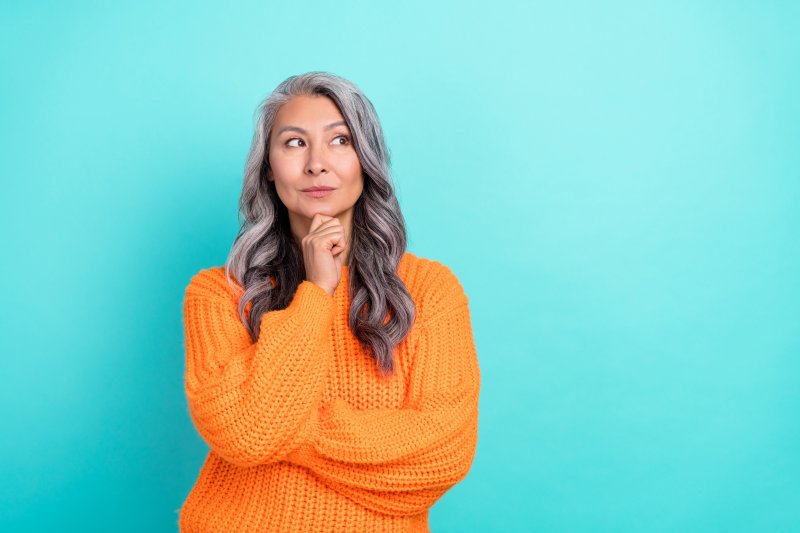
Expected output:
(329, 233)
(330, 239)
(317, 220)
(332, 223)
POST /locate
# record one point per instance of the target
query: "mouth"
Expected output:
(318, 192)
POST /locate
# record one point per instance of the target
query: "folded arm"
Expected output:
(251, 401)
(401, 461)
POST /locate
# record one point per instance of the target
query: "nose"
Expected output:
(316, 160)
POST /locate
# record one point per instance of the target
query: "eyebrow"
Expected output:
(301, 130)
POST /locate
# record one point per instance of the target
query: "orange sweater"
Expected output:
(305, 435)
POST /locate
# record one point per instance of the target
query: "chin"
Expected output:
(323, 210)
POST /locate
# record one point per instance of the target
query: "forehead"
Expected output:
(308, 112)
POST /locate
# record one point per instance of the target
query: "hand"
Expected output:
(322, 252)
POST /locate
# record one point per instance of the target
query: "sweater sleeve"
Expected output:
(250, 400)
(401, 461)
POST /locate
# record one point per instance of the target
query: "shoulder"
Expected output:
(433, 285)
(213, 283)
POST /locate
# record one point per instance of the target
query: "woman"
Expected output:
(333, 374)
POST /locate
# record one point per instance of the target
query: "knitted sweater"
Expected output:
(305, 434)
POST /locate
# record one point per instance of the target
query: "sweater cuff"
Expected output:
(313, 305)
(312, 295)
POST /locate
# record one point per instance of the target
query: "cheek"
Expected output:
(280, 166)
(352, 169)
(285, 173)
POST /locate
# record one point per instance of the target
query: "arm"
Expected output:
(251, 401)
(401, 461)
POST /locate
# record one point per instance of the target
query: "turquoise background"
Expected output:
(616, 184)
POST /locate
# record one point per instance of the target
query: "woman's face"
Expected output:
(311, 146)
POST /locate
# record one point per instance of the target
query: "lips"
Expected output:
(318, 192)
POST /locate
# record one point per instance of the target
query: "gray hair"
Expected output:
(265, 249)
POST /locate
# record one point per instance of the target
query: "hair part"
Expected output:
(266, 260)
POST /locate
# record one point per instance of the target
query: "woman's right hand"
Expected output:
(322, 252)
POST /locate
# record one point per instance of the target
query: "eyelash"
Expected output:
(299, 139)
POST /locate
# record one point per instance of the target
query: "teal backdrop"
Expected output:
(616, 184)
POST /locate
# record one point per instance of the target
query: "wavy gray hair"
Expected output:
(266, 250)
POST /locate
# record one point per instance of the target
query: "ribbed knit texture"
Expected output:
(305, 435)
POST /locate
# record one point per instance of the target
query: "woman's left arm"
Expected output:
(401, 461)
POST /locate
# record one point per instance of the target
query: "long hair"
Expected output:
(265, 251)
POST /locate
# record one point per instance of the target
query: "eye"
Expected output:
(345, 137)
(292, 139)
